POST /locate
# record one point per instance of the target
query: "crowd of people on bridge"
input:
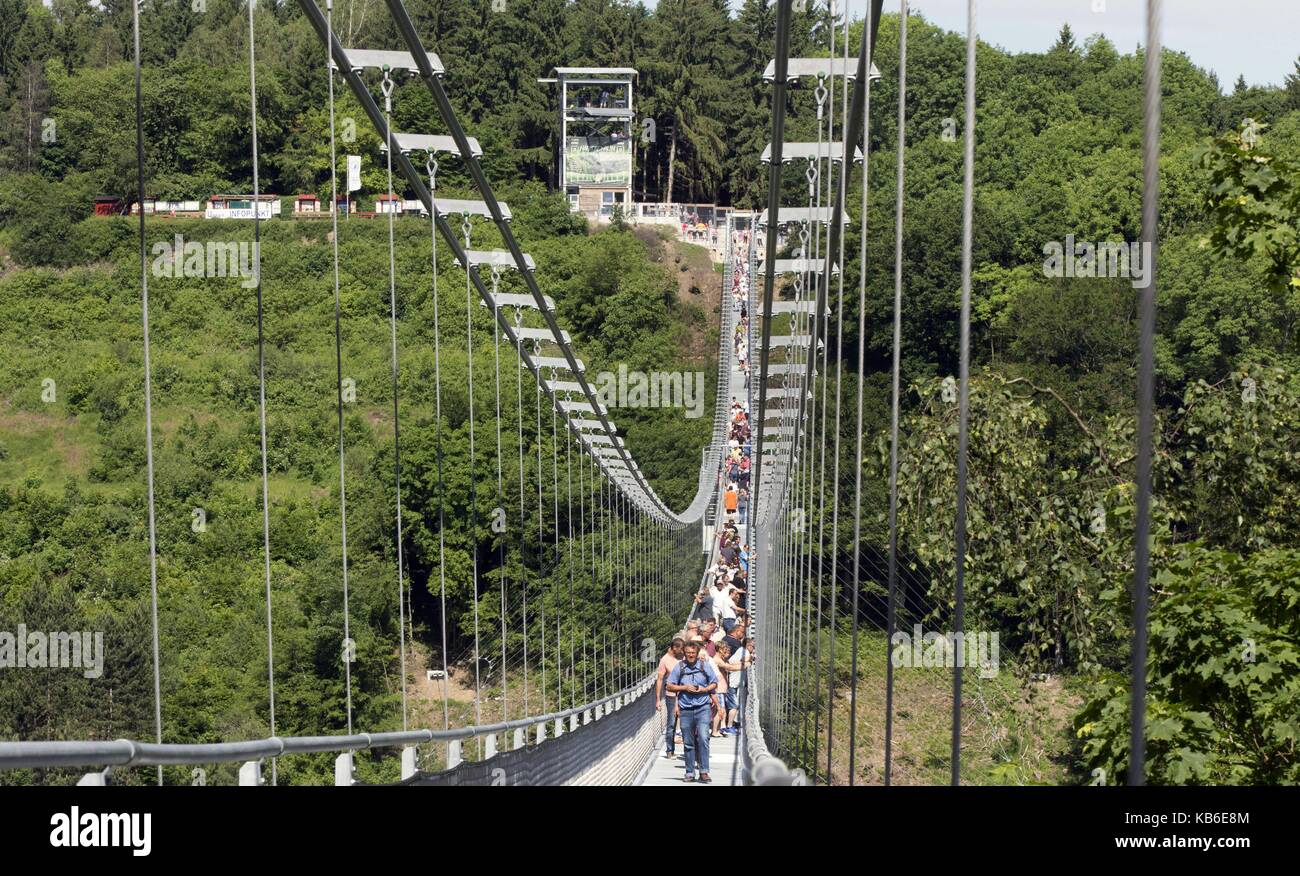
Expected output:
(740, 281)
(699, 678)
(736, 465)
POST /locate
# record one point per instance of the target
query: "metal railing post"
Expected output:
(250, 773)
(345, 771)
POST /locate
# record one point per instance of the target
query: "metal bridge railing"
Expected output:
(523, 734)
(129, 753)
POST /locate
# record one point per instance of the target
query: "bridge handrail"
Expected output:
(761, 767)
(127, 752)
(132, 753)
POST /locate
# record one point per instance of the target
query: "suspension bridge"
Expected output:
(786, 261)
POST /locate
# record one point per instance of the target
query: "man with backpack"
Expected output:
(694, 681)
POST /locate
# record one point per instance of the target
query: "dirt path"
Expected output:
(460, 683)
(699, 285)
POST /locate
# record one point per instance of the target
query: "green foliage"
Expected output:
(1051, 505)
(80, 557)
(1234, 466)
(1223, 678)
(1254, 201)
(1047, 557)
(1039, 549)
(38, 217)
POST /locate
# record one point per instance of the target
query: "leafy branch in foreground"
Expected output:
(1223, 695)
(1254, 202)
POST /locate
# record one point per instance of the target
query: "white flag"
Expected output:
(354, 172)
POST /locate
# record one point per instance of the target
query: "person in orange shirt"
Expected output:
(729, 500)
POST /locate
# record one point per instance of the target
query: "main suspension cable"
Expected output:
(891, 616)
(963, 414)
(261, 378)
(466, 227)
(500, 512)
(432, 166)
(386, 88)
(1151, 110)
(862, 351)
(523, 519)
(148, 384)
(541, 536)
(348, 645)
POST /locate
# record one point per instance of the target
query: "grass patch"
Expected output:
(1015, 728)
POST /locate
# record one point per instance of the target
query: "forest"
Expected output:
(1053, 387)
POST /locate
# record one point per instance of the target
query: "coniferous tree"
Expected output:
(1293, 88)
(755, 35)
(1065, 40)
(690, 92)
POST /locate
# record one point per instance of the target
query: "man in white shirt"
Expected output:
(732, 702)
(723, 607)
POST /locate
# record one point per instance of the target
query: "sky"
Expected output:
(1258, 39)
